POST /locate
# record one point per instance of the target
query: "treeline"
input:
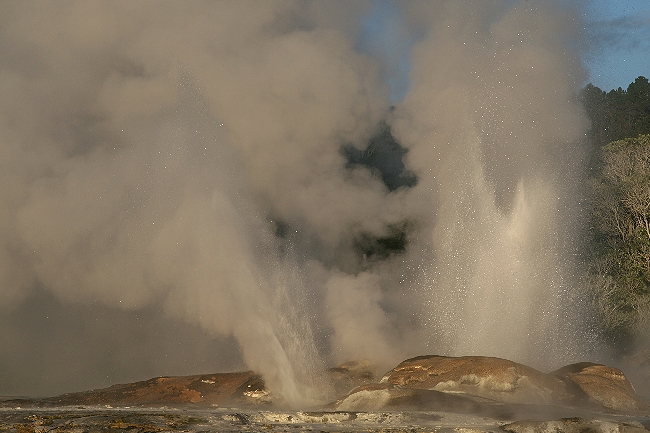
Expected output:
(619, 113)
(619, 230)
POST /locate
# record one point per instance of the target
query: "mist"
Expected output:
(177, 198)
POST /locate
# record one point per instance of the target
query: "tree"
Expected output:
(639, 100)
(621, 226)
(619, 113)
(595, 101)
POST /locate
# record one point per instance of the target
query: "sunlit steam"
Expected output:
(493, 127)
(207, 163)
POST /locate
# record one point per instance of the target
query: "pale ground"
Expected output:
(84, 419)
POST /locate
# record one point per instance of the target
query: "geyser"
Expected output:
(494, 131)
(202, 157)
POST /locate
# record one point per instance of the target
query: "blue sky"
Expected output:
(618, 34)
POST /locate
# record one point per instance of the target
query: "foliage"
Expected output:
(621, 233)
(619, 113)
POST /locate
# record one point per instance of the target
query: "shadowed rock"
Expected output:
(378, 396)
(383, 396)
(601, 385)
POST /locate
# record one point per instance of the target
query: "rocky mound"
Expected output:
(597, 384)
(493, 378)
(237, 389)
(493, 385)
(482, 386)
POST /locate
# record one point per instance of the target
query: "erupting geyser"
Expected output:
(186, 163)
(494, 132)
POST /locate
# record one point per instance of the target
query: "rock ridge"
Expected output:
(481, 384)
(484, 386)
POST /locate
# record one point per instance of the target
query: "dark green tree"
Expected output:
(638, 95)
(619, 113)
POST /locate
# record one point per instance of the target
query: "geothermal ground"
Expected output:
(426, 393)
(81, 419)
(166, 419)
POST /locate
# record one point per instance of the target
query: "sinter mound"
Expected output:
(486, 386)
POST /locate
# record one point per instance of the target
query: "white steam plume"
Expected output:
(183, 162)
(494, 129)
(144, 154)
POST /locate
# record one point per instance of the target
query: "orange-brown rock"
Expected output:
(493, 378)
(601, 385)
(241, 388)
(481, 380)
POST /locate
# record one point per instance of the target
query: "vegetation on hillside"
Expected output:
(619, 113)
(621, 236)
(619, 258)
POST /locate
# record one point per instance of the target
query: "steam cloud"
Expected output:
(175, 171)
